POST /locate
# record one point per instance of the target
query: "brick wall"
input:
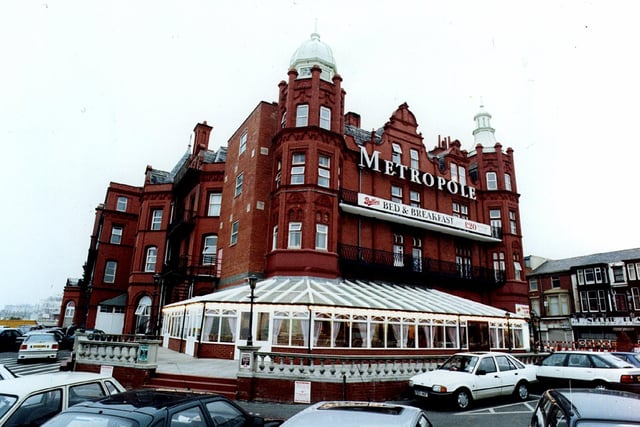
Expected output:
(282, 391)
(129, 377)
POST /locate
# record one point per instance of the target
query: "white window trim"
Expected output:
(325, 118)
(295, 229)
(302, 115)
(492, 181)
(243, 143)
(322, 237)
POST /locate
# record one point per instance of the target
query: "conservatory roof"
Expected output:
(350, 294)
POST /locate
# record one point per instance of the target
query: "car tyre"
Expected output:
(522, 391)
(462, 399)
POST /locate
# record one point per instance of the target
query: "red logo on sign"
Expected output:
(370, 202)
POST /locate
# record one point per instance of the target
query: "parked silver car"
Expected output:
(352, 414)
(587, 369)
(586, 407)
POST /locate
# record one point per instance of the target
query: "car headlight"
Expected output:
(439, 388)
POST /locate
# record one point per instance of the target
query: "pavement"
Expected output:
(173, 362)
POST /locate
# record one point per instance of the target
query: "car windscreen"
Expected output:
(460, 362)
(6, 402)
(78, 419)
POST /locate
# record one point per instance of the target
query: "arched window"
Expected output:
(143, 316)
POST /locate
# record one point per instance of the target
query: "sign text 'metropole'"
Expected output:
(414, 175)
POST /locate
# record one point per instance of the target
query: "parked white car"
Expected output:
(466, 377)
(587, 369)
(33, 399)
(38, 346)
(356, 414)
(5, 373)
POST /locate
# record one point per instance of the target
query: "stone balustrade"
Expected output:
(117, 350)
(348, 368)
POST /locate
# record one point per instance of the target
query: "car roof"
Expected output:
(354, 413)
(148, 401)
(482, 353)
(24, 385)
(599, 404)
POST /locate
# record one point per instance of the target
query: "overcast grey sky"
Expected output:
(94, 91)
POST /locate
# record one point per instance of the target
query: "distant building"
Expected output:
(360, 240)
(590, 301)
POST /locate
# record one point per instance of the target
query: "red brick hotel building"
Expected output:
(360, 241)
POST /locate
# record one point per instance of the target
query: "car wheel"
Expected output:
(522, 391)
(599, 385)
(462, 399)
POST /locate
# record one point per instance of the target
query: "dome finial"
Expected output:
(314, 52)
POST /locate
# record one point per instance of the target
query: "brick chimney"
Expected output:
(352, 119)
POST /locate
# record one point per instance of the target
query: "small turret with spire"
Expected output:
(484, 134)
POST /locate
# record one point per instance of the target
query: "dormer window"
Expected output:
(302, 115)
(458, 173)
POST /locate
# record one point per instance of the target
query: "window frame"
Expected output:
(396, 153)
(215, 204)
(322, 237)
(396, 194)
(208, 256)
(239, 182)
(294, 240)
(324, 171)
(235, 230)
(243, 143)
(414, 155)
(302, 115)
(110, 271)
(121, 203)
(492, 181)
(156, 219)
(117, 232)
(325, 117)
(297, 176)
(150, 259)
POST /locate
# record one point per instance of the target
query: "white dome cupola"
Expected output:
(483, 134)
(314, 52)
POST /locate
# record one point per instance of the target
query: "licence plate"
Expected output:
(422, 393)
(39, 346)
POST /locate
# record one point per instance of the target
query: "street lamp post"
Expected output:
(252, 285)
(508, 316)
(156, 309)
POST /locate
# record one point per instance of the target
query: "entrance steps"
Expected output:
(227, 387)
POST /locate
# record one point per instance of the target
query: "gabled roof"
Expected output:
(350, 294)
(565, 265)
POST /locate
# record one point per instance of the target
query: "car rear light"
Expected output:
(54, 346)
(629, 379)
(23, 347)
